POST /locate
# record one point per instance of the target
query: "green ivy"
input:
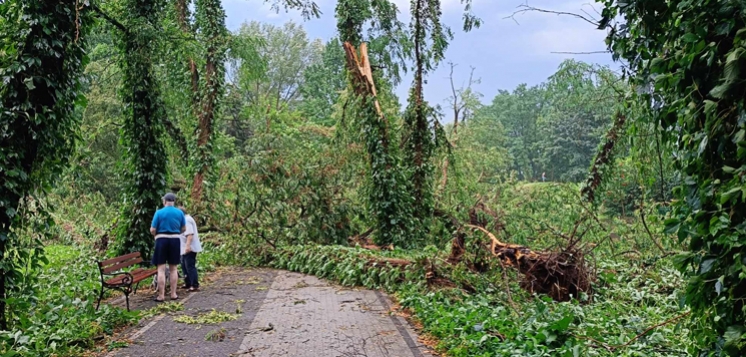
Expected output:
(388, 199)
(688, 59)
(41, 63)
(430, 40)
(142, 130)
(211, 30)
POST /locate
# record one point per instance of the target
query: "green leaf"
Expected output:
(706, 266)
(563, 324)
(29, 82)
(690, 37)
(710, 107)
(725, 197)
(719, 91)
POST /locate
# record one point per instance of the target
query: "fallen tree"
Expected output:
(562, 275)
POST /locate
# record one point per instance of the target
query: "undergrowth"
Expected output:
(58, 314)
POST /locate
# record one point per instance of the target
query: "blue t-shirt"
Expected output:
(168, 220)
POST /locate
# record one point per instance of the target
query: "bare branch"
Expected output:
(580, 53)
(110, 19)
(524, 8)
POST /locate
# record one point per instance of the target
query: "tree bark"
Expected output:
(206, 119)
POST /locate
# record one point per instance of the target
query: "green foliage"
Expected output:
(386, 35)
(513, 115)
(323, 83)
(556, 127)
(388, 200)
(580, 102)
(292, 187)
(287, 53)
(42, 59)
(209, 318)
(142, 129)
(686, 59)
(430, 40)
(56, 315)
(348, 266)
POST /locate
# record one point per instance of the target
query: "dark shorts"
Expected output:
(167, 250)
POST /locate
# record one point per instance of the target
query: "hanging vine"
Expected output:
(41, 70)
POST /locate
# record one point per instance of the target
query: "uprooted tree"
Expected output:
(562, 274)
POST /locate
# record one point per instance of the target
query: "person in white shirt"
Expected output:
(190, 246)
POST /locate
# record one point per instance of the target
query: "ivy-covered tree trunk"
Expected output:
(43, 41)
(420, 138)
(211, 24)
(143, 129)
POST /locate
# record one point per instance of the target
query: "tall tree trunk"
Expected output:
(206, 119)
(211, 24)
(419, 146)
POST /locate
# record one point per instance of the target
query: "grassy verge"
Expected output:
(57, 314)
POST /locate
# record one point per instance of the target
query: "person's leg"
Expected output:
(161, 281)
(174, 279)
(185, 271)
(191, 260)
(173, 251)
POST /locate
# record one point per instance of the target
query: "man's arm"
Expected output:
(183, 223)
(154, 224)
(188, 246)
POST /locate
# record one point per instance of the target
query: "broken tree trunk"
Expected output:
(561, 275)
(359, 67)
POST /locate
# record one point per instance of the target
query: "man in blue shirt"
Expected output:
(167, 226)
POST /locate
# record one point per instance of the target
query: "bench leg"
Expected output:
(127, 298)
(100, 296)
(136, 286)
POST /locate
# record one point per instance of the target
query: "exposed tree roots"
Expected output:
(561, 275)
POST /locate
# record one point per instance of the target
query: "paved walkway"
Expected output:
(280, 314)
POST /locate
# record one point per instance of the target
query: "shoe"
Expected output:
(193, 290)
(186, 287)
(175, 298)
(158, 300)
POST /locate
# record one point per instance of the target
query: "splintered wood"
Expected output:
(562, 275)
(362, 74)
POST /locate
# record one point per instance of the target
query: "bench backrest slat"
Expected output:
(115, 260)
(124, 264)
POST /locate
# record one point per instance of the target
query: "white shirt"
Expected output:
(191, 228)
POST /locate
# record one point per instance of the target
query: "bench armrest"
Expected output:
(127, 280)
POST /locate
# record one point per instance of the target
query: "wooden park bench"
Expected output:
(122, 280)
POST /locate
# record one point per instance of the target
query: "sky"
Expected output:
(505, 52)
